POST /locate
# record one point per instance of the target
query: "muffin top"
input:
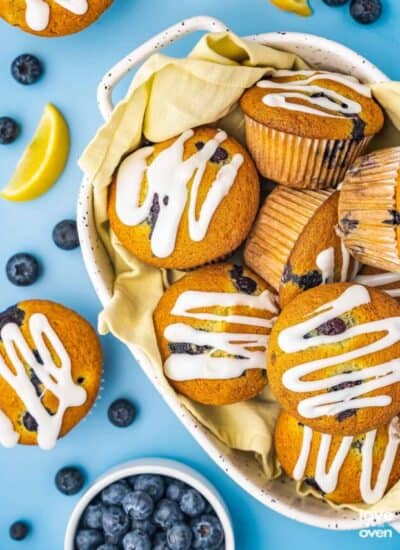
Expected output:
(314, 104)
(333, 358)
(345, 470)
(186, 201)
(50, 371)
(212, 328)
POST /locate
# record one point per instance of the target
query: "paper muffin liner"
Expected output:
(281, 220)
(301, 162)
(369, 219)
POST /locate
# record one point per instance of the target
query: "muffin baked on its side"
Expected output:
(212, 329)
(333, 358)
(185, 202)
(367, 466)
(305, 128)
(50, 372)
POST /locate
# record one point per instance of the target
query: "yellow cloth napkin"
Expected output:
(166, 97)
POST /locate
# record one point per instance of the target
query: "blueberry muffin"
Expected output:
(52, 17)
(305, 128)
(333, 358)
(382, 280)
(369, 209)
(294, 244)
(50, 372)
(185, 202)
(212, 329)
(366, 466)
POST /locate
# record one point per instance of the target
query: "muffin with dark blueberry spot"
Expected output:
(212, 329)
(185, 202)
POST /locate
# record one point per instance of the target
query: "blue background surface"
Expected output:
(74, 66)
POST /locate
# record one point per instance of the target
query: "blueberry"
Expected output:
(192, 503)
(332, 327)
(92, 516)
(145, 525)
(107, 546)
(207, 532)
(179, 537)
(19, 530)
(174, 490)
(22, 269)
(88, 539)
(366, 11)
(29, 422)
(139, 505)
(335, 2)
(167, 513)
(26, 69)
(69, 480)
(115, 521)
(136, 540)
(160, 541)
(9, 130)
(220, 155)
(121, 413)
(153, 485)
(114, 493)
(65, 235)
(241, 282)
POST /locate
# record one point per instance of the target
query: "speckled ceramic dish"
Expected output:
(245, 471)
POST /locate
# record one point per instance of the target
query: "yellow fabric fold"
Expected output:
(168, 96)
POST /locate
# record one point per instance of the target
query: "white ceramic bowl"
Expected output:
(162, 467)
(244, 470)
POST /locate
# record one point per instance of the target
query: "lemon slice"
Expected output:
(42, 161)
(300, 7)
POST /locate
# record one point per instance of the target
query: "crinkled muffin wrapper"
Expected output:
(304, 163)
(368, 226)
(281, 221)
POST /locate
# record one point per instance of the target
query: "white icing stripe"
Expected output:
(8, 437)
(167, 178)
(380, 280)
(37, 14)
(246, 350)
(326, 262)
(291, 340)
(318, 96)
(328, 481)
(56, 379)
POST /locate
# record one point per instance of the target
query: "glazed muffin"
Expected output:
(50, 372)
(294, 244)
(382, 280)
(369, 209)
(212, 329)
(185, 202)
(306, 455)
(305, 128)
(52, 17)
(333, 358)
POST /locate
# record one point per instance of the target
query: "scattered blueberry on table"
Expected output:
(19, 530)
(65, 235)
(22, 269)
(9, 130)
(149, 512)
(335, 2)
(26, 69)
(121, 413)
(366, 11)
(69, 480)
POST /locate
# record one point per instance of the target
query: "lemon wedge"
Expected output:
(42, 161)
(300, 7)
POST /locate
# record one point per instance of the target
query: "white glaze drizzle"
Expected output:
(184, 366)
(328, 480)
(37, 14)
(291, 340)
(8, 436)
(326, 263)
(381, 279)
(168, 177)
(57, 380)
(303, 89)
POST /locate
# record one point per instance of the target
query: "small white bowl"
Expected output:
(162, 467)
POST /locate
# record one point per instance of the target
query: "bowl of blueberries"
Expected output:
(150, 504)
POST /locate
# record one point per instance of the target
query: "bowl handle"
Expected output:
(158, 42)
